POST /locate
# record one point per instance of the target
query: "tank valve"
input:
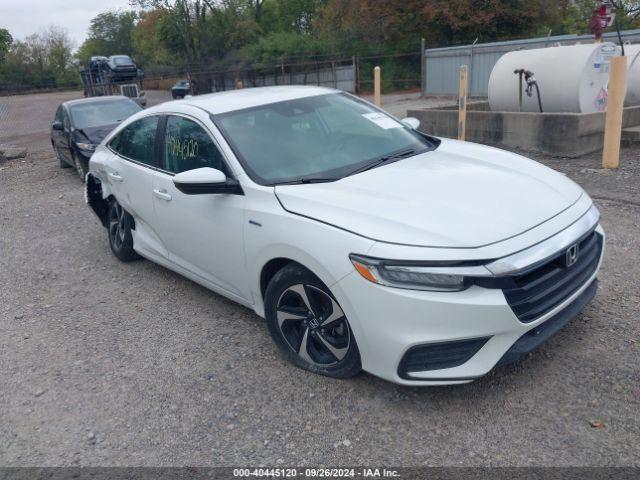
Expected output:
(531, 83)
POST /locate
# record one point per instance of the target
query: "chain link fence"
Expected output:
(354, 74)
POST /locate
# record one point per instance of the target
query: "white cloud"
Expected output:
(24, 17)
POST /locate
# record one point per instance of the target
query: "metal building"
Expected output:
(442, 65)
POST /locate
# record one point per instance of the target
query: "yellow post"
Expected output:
(613, 119)
(462, 104)
(376, 86)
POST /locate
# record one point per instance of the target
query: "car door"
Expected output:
(61, 137)
(203, 233)
(130, 172)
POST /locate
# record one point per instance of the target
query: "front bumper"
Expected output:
(389, 323)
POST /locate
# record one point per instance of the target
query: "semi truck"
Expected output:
(114, 75)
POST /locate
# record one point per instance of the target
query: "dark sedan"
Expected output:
(122, 67)
(80, 125)
(181, 89)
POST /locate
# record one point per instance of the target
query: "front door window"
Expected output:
(188, 146)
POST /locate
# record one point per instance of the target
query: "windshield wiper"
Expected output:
(400, 154)
(409, 152)
(303, 180)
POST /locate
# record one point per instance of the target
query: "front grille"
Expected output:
(543, 332)
(130, 91)
(540, 290)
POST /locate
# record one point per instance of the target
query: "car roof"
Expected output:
(232, 100)
(79, 101)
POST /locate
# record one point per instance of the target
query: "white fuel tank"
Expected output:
(633, 76)
(571, 78)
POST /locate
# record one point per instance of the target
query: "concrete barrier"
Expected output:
(557, 134)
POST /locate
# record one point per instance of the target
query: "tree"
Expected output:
(629, 8)
(5, 43)
(110, 33)
(147, 45)
(627, 13)
(197, 31)
(42, 59)
(58, 49)
(398, 26)
(291, 16)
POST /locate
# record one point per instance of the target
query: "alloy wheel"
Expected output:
(313, 325)
(117, 229)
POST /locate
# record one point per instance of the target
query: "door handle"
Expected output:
(115, 177)
(162, 195)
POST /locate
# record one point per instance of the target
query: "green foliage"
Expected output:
(282, 45)
(193, 35)
(5, 43)
(294, 16)
(576, 17)
(43, 59)
(577, 14)
(110, 33)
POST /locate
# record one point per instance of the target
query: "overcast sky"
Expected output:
(24, 17)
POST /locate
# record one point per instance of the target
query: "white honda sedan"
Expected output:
(364, 243)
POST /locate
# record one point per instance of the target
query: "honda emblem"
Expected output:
(571, 256)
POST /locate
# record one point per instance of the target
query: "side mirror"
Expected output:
(206, 180)
(57, 125)
(411, 122)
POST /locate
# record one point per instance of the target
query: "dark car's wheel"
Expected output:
(308, 325)
(61, 162)
(120, 237)
(80, 166)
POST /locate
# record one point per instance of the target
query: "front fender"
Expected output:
(273, 233)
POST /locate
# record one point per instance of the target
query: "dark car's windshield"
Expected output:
(102, 112)
(329, 136)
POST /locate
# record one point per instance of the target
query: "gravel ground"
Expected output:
(105, 363)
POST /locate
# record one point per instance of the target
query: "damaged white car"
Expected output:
(364, 243)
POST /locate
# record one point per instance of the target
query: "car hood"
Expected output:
(96, 134)
(461, 195)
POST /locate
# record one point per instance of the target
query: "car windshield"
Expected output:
(323, 137)
(103, 112)
(122, 61)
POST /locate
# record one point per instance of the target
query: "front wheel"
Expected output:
(308, 325)
(120, 237)
(61, 162)
(78, 163)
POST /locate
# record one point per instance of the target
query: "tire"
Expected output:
(308, 325)
(61, 162)
(79, 166)
(119, 226)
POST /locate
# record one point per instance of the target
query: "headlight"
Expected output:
(88, 147)
(416, 276)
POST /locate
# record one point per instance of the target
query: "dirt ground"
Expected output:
(105, 363)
